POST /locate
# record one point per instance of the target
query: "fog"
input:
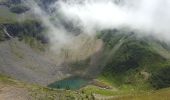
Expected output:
(57, 35)
(149, 17)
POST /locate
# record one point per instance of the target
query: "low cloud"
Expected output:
(149, 17)
(152, 17)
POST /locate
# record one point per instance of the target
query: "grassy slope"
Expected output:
(6, 16)
(163, 94)
(131, 68)
(35, 92)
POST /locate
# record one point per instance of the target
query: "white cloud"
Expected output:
(150, 16)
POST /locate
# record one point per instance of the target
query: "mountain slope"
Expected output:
(157, 95)
(136, 60)
(20, 61)
(117, 63)
(16, 90)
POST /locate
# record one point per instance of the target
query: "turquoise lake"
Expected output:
(71, 83)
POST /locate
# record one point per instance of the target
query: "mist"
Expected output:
(150, 17)
(56, 34)
(147, 17)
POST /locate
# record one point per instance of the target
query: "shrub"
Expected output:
(28, 28)
(14, 1)
(161, 78)
(19, 9)
(2, 35)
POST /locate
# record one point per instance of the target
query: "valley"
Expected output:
(44, 55)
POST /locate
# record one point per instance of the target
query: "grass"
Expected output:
(131, 67)
(37, 92)
(163, 94)
(6, 16)
(96, 90)
(34, 43)
(114, 91)
(3, 0)
(6, 80)
(16, 50)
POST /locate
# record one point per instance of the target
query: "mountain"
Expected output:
(136, 61)
(113, 64)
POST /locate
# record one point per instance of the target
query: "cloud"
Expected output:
(149, 17)
(152, 17)
(57, 35)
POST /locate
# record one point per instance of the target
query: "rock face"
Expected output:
(20, 61)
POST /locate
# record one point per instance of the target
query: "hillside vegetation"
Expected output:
(136, 63)
(114, 65)
(17, 90)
